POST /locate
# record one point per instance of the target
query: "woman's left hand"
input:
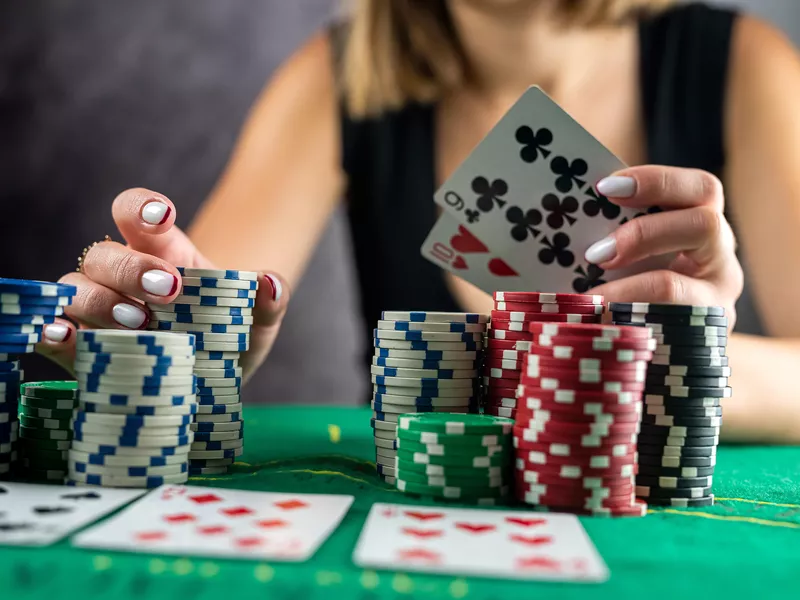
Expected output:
(692, 226)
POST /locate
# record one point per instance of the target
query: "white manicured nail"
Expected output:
(617, 187)
(156, 212)
(601, 251)
(56, 332)
(160, 282)
(275, 284)
(129, 316)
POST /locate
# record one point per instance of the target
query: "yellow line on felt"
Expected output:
(334, 433)
(751, 520)
(778, 504)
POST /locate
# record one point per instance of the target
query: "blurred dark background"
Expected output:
(100, 95)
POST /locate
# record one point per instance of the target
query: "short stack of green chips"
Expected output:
(45, 429)
(461, 457)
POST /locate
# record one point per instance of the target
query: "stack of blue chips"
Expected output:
(25, 308)
(135, 406)
(217, 307)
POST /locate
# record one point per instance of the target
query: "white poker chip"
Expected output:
(93, 447)
(163, 400)
(111, 370)
(223, 445)
(160, 316)
(127, 482)
(206, 409)
(387, 408)
(418, 345)
(218, 373)
(459, 355)
(429, 365)
(197, 471)
(239, 338)
(413, 401)
(211, 292)
(196, 328)
(148, 411)
(223, 418)
(426, 336)
(199, 309)
(427, 326)
(212, 427)
(202, 355)
(137, 338)
(212, 392)
(223, 347)
(218, 274)
(210, 462)
(217, 436)
(218, 400)
(112, 460)
(382, 434)
(213, 454)
(423, 373)
(212, 282)
(217, 364)
(218, 382)
(435, 317)
(149, 441)
(90, 428)
(384, 443)
(396, 390)
(386, 417)
(423, 383)
(129, 360)
(127, 471)
(132, 349)
(129, 421)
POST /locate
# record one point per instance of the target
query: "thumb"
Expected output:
(272, 299)
(146, 220)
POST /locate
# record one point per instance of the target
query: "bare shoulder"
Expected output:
(762, 54)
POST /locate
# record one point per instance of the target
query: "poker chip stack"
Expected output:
(685, 384)
(135, 403)
(423, 362)
(577, 418)
(459, 457)
(509, 338)
(25, 308)
(45, 413)
(217, 307)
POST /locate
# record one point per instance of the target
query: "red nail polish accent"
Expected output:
(174, 285)
(166, 215)
(272, 290)
(69, 335)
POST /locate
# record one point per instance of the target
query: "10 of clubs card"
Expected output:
(488, 543)
(526, 192)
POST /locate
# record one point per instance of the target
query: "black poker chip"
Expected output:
(685, 391)
(682, 502)
(669, 403)
(687, 310)
(666, 482)
(646, 429)
(677, 351)
(645, 491)
(670, 380)
(675, 471)
(689, 361)
(688, 371)
(676, 320)
(676, 443)
(692, 341)
(681, 451)
(707, 411)
(673, 421)
(689, 331)
(675, 461)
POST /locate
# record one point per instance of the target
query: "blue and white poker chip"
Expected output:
(136, 381)
(219, 445)
(127, 471)
(213, 454)
(214, 292)
(218, 400)
(219, 409)
(93, 447)
(424, 392)
(239, 338)
(218, 373)
(142, 432)
(413, 401)
(199, 427)
(433, 365)
(203, 309)
(435, 317)
(110, 369)
(135, 360)
(7, 367)
(218, 436)
(431, 327)
(218, 273)
(17, 349)
(20, 338)
(133, 441)
(39, 320)
(427, 346)
(136, 338)
(218, 382)
(223, 346)
(218, 418)
(137, 482)
(125, 399)
(423, 382)
(17, 299)
(213, 282)
(29, 287)
(218, 301)
(423, 373)
(197, 328)
(20, 328)
(133, 349)
(190, 408)
(425, 336)
(133, 421)
(438, 355)
(203, 355)
(112, 460)
(199, 318)
(380, 406)
(31, 310)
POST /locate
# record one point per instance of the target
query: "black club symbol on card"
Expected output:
(489, 194)
(653, 210)
(587, 278)
(557, 251)
(524, 222)
(560, 210)
(569, 173)
(599, 204)
(533, 143)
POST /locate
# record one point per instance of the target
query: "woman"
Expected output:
(385, 110)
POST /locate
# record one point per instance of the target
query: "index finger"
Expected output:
(669, 188)
(145, 219)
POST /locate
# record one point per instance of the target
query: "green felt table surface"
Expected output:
(746, 546)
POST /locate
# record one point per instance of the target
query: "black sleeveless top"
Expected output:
(389, 160)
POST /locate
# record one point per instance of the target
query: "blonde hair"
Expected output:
(401, 51)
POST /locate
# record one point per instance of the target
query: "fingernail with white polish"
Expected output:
(276, 289)
(57, 332)
(156, 212)
(160, 282)
(601, 251)
(617, 187)
(129, 316)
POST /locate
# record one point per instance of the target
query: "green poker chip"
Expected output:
(402, 444)
(43, 464)
(451, 492)
(36, 453)
(45, 413)
(455, 424)
(48, 475)
(39, 423)
(49, 403)
(451, 480)
(32, 445)
(469, 441)
(450, 470)
(50, 389)
(33, 433)
(456, 461)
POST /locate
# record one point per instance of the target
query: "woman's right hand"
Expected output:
(116, 280)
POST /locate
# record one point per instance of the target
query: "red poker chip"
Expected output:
(496, 411)
(571, 447)
(510, 325)
(538, 307)
(496, 354)
(572, 353)
(586, 483)
(499, 363)
(552, 383)
(493, 345)
(585, 408)
(582, 364)
(577, 397)
(512, 336)
(548, 298)
(506, 382)
(585, 376)
(637, 509)
(590, 330)
(501, 403)
(598, 344)
(576, 471)
(521, 316)
(622, 486)
(586, 501)
(561, 416)
(576, 429)
(495, 373)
